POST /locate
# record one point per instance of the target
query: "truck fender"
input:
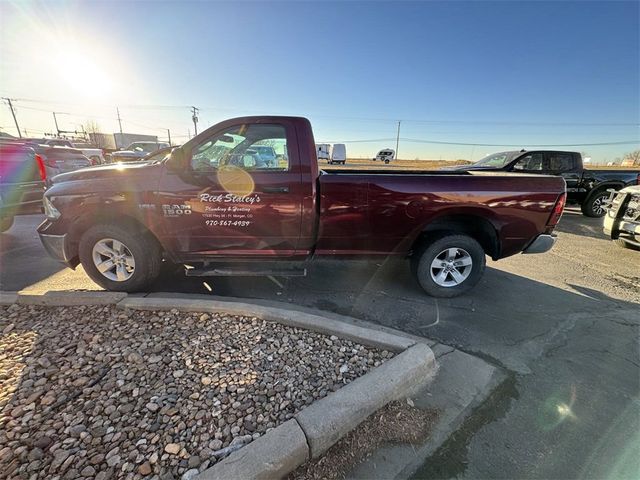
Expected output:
(477, 226)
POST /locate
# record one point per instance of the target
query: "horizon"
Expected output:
(465, 79)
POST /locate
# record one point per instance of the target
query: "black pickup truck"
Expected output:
(588, 188)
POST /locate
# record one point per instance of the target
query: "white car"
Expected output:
(136, 151)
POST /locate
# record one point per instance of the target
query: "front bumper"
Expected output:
(615, 228)
(542, 243)
(56, 247)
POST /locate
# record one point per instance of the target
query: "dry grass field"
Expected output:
(394, 165)
(426, 165)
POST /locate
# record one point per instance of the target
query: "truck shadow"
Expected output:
(503, 307)
(577, 224)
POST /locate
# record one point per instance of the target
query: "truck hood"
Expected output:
(106, 171)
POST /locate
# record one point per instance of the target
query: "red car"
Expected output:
(211, 206)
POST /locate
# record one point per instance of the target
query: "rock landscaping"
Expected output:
(98, 392)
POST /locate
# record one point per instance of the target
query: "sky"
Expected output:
(485, 76)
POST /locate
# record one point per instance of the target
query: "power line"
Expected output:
(378, 119)
(478, 144)
(481, 144)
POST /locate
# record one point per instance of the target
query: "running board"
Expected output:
(229, 271)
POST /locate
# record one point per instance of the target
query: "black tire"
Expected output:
(386, 161)
(466, 247)
(6, 223)
(624, 244)
(143, 247)
(592, 206)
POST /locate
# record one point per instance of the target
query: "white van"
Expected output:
(323, 151)
(338, 154)
(385, 155)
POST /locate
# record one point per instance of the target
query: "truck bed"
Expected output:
(387, 210)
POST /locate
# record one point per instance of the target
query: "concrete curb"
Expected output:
(8, 298)
(327, 420)
(316, 323)
(319, 426)
(273, 455)
(70, 299)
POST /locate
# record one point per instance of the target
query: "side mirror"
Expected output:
(177, 160)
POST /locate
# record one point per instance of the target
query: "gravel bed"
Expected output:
(97, 392)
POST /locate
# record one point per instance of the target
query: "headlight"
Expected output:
(50, 211)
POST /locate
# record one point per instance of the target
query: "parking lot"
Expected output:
(564, 325)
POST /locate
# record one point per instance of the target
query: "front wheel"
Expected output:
(622, 243)
(120, 260)
(450, 265)
(594, 206)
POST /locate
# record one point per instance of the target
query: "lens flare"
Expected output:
(235, 180)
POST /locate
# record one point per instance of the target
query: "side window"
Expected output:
(530, 163)
(560, 162)
(257, 146)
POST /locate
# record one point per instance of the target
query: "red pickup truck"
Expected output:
(216, 206)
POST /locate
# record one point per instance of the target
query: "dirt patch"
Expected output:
(398, 422)
(360, 163)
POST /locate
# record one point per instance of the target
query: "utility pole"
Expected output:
(398, 139)
(194, 117)
(14, 115)
(119, 122)
(169, 135)
(56, 122)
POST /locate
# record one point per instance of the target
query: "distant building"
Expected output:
(115, 141)
(630, 162)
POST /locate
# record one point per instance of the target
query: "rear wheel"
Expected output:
(6, 223)
(450, 265)
(594, 206)
(118, 259)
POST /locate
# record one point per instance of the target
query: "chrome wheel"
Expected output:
(451, 267)
(113, 259)
(599, 205)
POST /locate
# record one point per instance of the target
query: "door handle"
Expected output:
(275, 189)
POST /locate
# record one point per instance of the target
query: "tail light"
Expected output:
(41, 168)
(558, 208)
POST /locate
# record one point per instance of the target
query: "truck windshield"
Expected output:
(496, 160)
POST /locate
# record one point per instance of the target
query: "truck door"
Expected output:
(232, 200)
(566, 165)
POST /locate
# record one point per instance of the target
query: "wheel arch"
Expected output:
(603, 187)
(477, 227)
(85, 222)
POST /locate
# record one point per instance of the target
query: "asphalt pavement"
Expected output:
(565, 325)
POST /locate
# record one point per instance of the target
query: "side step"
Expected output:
(245, 271)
